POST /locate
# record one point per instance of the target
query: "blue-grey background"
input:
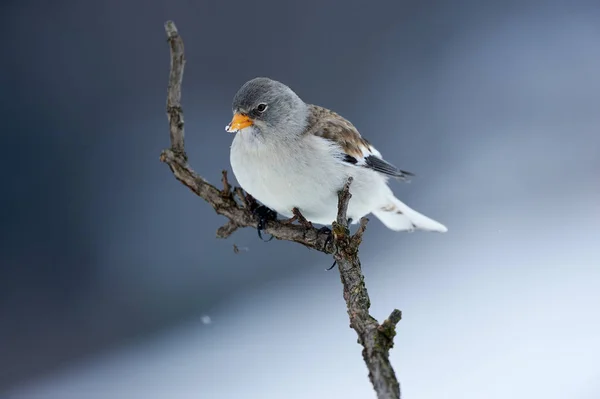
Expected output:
(109, 266)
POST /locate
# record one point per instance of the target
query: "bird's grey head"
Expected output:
(269, 108)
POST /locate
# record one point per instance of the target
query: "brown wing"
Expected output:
(354, 148)
(331, 126)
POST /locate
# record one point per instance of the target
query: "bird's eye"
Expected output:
(261, 108)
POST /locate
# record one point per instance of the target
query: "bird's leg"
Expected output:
(264, 215)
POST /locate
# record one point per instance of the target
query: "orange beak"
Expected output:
(238, 123)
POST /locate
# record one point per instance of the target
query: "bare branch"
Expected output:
(388, 327)
(174, 110)
(370, 336)
(357, 237)
(227, 229)
(301, 219)
(226, 187)
(376, 339)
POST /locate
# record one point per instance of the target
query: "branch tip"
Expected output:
(395, 317)
(388, 327)
(357, 237)
(226, 186)
(227, 229)
(171, 29)
(343, 200)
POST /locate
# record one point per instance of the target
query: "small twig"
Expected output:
(226, 187)
(357, 237)
(391, 322)
(174, 111)
(290, 220)
(227, 229)
(343, 201)
(301, 219)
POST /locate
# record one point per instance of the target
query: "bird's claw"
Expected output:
(264, 214)
(332, 266)
(327, 230)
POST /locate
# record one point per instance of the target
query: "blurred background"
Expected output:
(113, 285)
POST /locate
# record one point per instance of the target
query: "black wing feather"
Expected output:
(379, 165)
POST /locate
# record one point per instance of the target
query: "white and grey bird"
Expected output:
(288, 154)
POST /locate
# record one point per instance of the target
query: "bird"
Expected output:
(291, 155)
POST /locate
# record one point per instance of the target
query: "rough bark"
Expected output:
(231, 202)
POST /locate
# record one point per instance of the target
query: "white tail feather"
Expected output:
(400, 217)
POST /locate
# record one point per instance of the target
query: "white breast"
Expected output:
(287, 174)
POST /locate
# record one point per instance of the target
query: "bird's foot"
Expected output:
(264, 215)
